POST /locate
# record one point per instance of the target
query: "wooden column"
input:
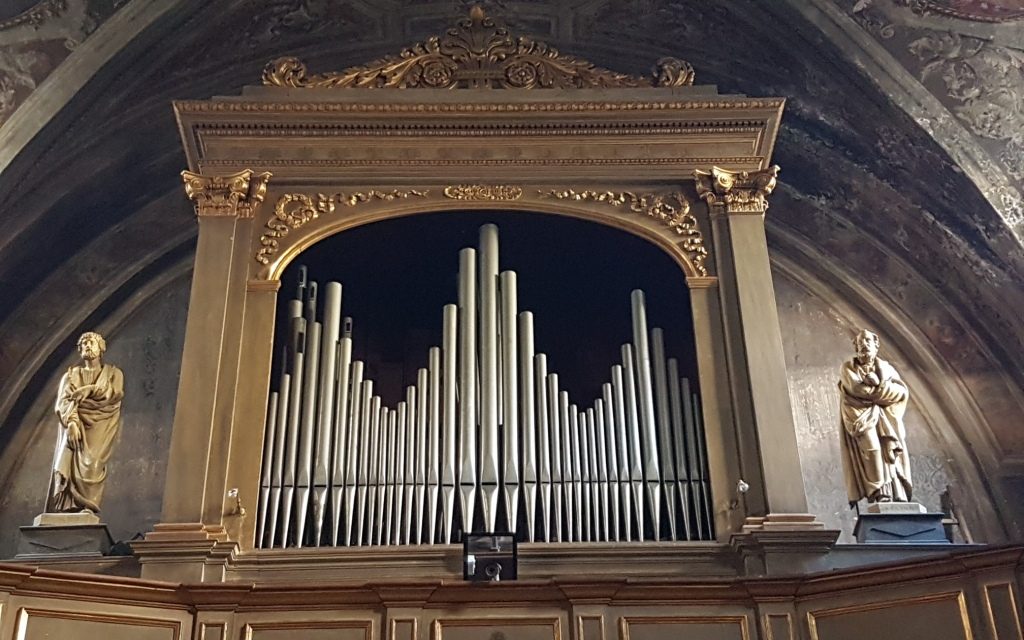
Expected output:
(767, 435)
(191, 523)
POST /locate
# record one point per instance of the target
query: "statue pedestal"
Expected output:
(78, 535)
(899, 522)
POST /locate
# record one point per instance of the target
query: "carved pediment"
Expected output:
(477, 52)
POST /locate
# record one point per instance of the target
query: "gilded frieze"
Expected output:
(483, 192)
(672, 209)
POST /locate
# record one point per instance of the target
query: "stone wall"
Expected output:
(146, 344)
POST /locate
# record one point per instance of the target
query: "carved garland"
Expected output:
(672, 209)
(483, 192)
(294, 210)
(476, 53)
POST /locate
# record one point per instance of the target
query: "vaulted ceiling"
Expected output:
(902, 151)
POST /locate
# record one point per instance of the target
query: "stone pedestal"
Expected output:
(899, 522)
(69, 535)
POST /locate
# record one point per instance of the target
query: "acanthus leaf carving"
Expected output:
(737, 191)
(294, 210)
(238, 194)
(476, 53)
(672, 209)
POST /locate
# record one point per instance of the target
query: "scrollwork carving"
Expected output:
(672, 209)
(294, 210)
(476, 53)
(239, 194)
(483, 192)
(737, 191)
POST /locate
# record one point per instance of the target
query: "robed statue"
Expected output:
(89, 410)
(873, 399)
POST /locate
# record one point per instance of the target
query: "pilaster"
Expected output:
(737, 202)
(192, 518)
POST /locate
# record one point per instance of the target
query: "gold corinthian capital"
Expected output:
(737, 191)
(239, 194)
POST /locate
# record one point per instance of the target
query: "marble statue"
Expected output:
(89, 410)
(873, 399)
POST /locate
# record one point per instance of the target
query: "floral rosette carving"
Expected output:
(475, 53)
(672, 209)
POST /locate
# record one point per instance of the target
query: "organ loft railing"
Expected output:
(474, 120)
(486, 421)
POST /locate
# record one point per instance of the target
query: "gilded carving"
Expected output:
(294, 210)
(672, 209)
(483, 192)
(737, 191)
(476, 53)
(239, 194)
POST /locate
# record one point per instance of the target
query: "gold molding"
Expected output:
(1013, 606)
(393, 628)
(236, 195)
(957, 596)
(483, 192)
(25, 613)
(477, 53)
(673, 209)
(307, 625)
(293, 210)
(205, 627)
(263, 285)
(737, 191)
(742, 620)
(555, 623)
(769, 634)
(580, 635)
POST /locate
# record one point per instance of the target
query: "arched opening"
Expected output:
(577, 279)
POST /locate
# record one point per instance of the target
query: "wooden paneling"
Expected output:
(46, 624)
(689, 627)
(497, 628)
(309, 630)
(941, 616)
(1003, 616)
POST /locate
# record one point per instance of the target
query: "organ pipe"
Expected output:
(488, 276)
(528, 422)
(540, 377)
(487, 424)
(662, 417)
(510, 396)
(433, 441)
(331, 333)
(450, 416)
(467, 386)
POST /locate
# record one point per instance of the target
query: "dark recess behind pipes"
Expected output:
(575, 276)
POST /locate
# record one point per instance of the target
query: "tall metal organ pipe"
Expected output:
(487, 428)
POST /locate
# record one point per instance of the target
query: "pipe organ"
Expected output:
(485, 440)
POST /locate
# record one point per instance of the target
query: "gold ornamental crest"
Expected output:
(476, 53)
